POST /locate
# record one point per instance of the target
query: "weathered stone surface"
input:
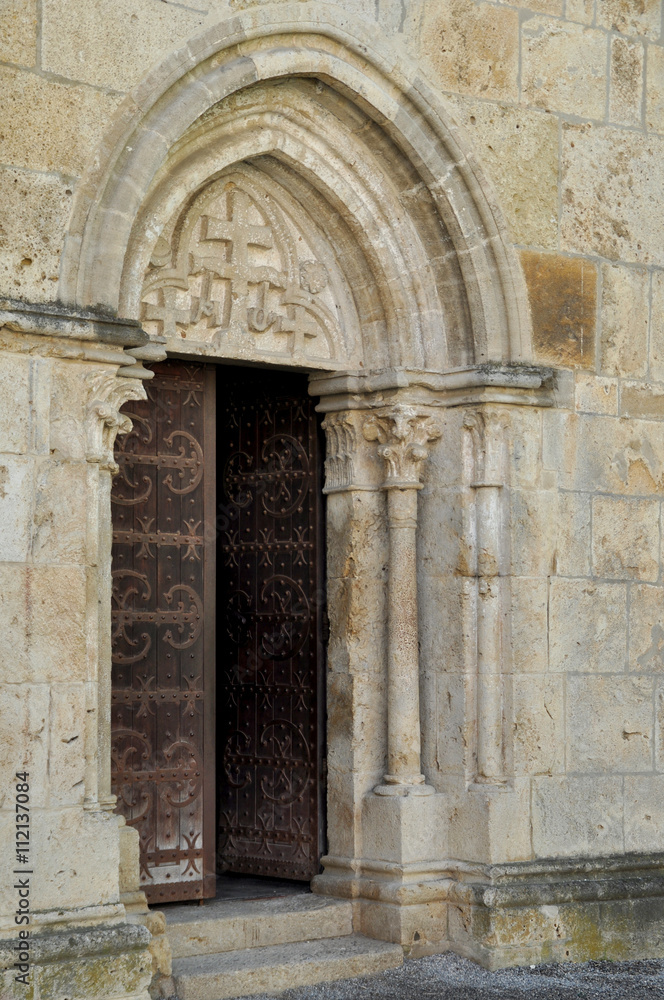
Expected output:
(644, 811)
(609, 723)
(577, 815)
(572, 554)
(657, 327)
(88, 877)
(75, 39)
(580, 10)
(31, 234)
(655, 89)
(610, 199)
(529, 625)
(472, 48)
(24, 722)
(519, 151)
(16, 502)
(18, 32)
(66, 731)
(631, 17)
(638, 399)
(626, 538)
(588, 630)
(51, 126)
(626, 94)
(15, 404)
(624, 320)
(564, 67)
(595, 395)
(563, 301)
(538, 727)
(646, 629)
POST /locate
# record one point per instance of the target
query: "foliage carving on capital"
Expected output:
(487, 429)
(402, 434)
(340, 451)
(106, 396)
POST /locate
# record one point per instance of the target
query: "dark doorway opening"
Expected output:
(218, 717)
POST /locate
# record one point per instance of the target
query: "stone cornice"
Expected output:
(59, 321)
(522, 385)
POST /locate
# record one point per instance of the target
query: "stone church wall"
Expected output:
(562, 103)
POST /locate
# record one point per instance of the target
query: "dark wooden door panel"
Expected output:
(162, 715)
(270, 604)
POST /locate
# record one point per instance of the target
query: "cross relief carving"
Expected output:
(232, 273)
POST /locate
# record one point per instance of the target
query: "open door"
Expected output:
(163, 676)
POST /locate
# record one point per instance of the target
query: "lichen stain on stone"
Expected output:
(563, 302)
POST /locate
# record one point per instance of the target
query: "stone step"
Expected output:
(233, 924)
(280, 967)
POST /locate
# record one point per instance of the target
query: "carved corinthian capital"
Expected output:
(107, 394)
(402, 434)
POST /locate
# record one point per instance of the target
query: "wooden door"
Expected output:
(271, 606)
(162, 713)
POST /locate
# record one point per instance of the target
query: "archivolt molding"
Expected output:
(396, 195)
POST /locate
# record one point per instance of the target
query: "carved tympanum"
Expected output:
(235, 271)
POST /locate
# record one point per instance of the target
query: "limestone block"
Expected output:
(42, 623)
(24, 722)
(639, 399)
(60, 511)
(34, 219)
(519, 151)
(609, 723)
(66, 753)
(563, 303)
(611, 202)
(14, 402)
(491, 823)
(451, 719)
(18, 32)
(572, 555)
(538, 724)
(595, 453)
(625, 538)
(48, 125)
(75, 38)
(472, 48)
(630, 18)
(655, 89)
(564, 67)
(404, 828)
(448, 609)
(525, 447)
(588, 626)
(84, 876)
(529, 625)
(356, 534)
(646, 629)
(644, 812)
(443, 468)
(580, 10)
(446, 531)
(533, 531)
(657, 324)
(16, 500)
(624, 320)
(626, 93)
(129, 846)
(595, 395)
(68, 423)
(577, 814)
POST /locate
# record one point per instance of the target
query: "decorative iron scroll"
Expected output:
(162, 652)
(270, 608)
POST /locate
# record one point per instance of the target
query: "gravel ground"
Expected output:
(448, 977)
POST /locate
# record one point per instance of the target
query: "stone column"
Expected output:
(487, 430)
(402, 434)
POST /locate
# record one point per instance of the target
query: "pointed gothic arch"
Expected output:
(300, 93)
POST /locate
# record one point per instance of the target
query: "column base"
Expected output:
(394, 786)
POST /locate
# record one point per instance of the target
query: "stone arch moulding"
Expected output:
(394, 195)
